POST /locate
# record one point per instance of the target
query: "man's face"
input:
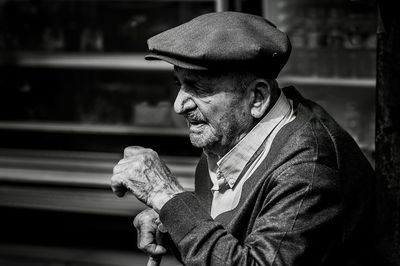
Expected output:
(217, 113)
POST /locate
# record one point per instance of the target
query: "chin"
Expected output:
(197, 143)
(200, 141)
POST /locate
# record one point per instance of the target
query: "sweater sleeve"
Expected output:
(296, 225)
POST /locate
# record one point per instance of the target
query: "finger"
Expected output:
(149, 246)
(145, 222)
(118, 165)
(161, 228)
(132, 150)
(137, 222)
(118, 186)
(154, 261)
(148, 216)
(148, 240)
(154, 250)
(124, 165)
(124, 160)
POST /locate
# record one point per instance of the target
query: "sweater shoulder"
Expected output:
(314, 136)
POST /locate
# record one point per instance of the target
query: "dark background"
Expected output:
(54, 236)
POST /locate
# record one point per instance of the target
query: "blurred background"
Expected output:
(75, 90)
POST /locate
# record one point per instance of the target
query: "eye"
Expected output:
(177, 82)
(194, 86)
(203, 91)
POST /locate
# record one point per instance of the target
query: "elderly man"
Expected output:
(279, 181)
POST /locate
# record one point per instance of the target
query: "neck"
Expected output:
(219, 151)
(274, 97)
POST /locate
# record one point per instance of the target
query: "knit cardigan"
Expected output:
(310, 202)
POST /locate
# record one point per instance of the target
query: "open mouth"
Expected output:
(195, 125)
(194, 121)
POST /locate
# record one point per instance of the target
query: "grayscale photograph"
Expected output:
(199, 133)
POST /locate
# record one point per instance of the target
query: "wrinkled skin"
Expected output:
(147, 223)
(218, 117)
(144, 174)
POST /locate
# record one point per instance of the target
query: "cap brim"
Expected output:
(174, 61)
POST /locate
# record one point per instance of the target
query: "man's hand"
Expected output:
(146, 224)
(149, 235)
(144, 174)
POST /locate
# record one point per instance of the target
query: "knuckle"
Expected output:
(136, 222)
(144, 246)
(123, 160)
(141, 159)
(152, 152)
(127, 149)
(148, 150)
(141, 216)
(141, 219)
(115, 169)
(114, 180)
(149, 248)
(131, 172)
(149, 212)
(130, 150)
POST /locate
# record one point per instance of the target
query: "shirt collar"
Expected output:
(232, 163)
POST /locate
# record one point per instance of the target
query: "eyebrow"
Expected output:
(187, 79)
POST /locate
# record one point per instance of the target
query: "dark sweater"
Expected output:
(310, 202)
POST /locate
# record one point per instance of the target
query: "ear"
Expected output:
(261, 97)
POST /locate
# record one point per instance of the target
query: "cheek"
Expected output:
(229, 119)
(216, 116)
(210, 111)
(222, 113)
(238, 117)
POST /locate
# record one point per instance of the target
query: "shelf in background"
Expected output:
(82, 61)
(137, 62)
(73, 181)
(58, 127)
(327, 81)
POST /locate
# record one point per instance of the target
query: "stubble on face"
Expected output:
(221, 117)
(226, 124)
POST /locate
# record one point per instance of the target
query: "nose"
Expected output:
(183, 102)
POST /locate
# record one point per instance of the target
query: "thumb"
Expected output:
(154, 249)
(117, 185)
(154, 261)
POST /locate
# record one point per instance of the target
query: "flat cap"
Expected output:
(223, 40)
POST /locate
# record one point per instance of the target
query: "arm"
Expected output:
(297, 224)
(143, 173)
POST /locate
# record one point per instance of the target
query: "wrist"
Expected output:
(161, 199)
